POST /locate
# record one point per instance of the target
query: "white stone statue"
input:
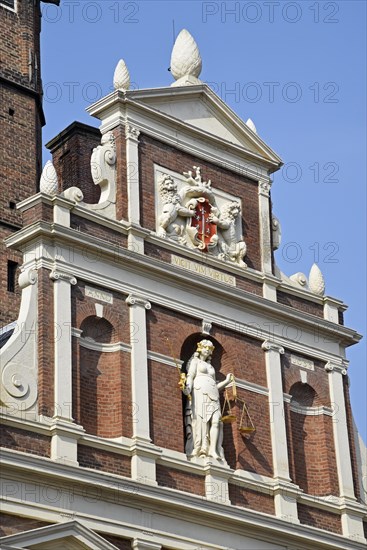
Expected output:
(204, 429)
(229, 247)
(172, 209)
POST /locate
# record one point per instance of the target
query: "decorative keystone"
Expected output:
(206, 327)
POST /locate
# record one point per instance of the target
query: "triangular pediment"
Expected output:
(71, 535)
(199, 107)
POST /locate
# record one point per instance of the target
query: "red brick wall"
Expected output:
(21, 119)
(25, 441)
(300, 303)
(321, 519)
(153, 151)
(38, 212)
(98, 459)
(312, 460)
(96, 230)
(351, 434)
(9, 301)
(165, 404)
(182, 481)
(71, 154)
(121, 176)
(163, 323)
(11, 525)
(241, 356)
(250, 452)
(46, 339)
(246, 498)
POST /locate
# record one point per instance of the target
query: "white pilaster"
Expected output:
(340, 430)
(139, 365)
(62, 355)
(331, 312)
(132, 168)
(65, 434)
(265, 229)
(285, 505)
(143, 453)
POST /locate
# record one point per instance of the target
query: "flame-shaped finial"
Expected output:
(251, 125)
(121, 77)
(316, 281)
(48, 182)
(185, 58)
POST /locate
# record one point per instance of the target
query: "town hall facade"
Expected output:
(164, 384)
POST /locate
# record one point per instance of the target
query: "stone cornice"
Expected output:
(125, 228)
(175, 503)
(164, 271)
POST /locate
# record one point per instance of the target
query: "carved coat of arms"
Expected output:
(192, 217)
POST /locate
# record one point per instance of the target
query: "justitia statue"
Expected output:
(204, 429)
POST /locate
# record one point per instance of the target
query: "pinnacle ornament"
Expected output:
(49, 182)
(121, 77)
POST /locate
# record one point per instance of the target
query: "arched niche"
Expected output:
(311, 445)
(98, 380)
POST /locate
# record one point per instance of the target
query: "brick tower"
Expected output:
(21, 118)
(168, 386)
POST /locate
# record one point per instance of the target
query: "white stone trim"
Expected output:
(63, 354)
(285, 504)
(341, 439)
(311, 411)
(103, 348)
(122, 496)
(327, 350)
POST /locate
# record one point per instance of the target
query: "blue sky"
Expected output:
(296, 68)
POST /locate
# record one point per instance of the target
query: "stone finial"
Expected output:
(316, 281)
(48, 182)
(185, 60)
(121, 77)
(251, 125)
